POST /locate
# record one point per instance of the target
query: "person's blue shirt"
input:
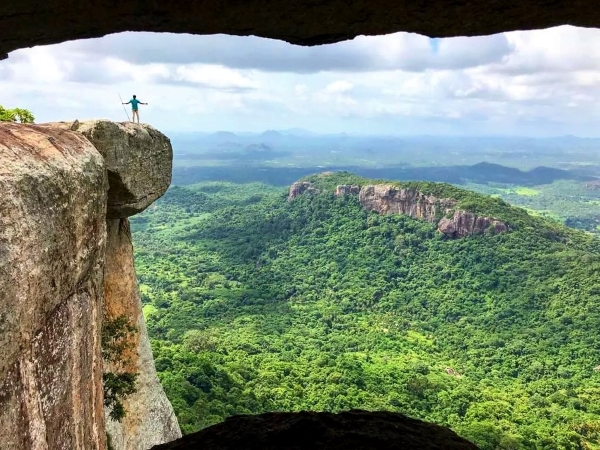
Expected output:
(134, 103)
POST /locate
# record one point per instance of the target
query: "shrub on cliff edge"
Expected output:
(119, 383)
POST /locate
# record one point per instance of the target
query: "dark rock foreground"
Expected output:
(350, 430)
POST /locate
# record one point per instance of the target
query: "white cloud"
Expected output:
(339, 87)
(395, 83)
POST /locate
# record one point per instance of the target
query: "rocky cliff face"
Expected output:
(388, 199)
(52, 242)
(299, 188)
(464, 223)
(59, 274)
(391, 199)
(347, 189)
(150, 419)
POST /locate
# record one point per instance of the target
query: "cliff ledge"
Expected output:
(61, 275)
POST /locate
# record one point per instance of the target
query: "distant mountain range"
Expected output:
(482, 173)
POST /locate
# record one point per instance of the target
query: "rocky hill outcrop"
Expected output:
(388, 199)
(299, 188)
(391, 199)
(60, 274)
(347, 189)
(464, 223)
(360, 430)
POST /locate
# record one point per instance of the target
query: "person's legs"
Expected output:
(134, 114)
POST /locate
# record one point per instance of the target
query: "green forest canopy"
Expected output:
(254, 304)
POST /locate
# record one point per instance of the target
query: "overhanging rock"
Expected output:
(138, 159)
(308, 22)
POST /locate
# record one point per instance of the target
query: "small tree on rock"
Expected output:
(16, 115)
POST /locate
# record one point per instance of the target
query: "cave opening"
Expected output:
(458, 74)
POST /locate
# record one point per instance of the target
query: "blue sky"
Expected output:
(535, 83)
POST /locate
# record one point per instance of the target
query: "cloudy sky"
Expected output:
(535, 83)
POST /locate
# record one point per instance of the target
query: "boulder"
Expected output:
(139, 160)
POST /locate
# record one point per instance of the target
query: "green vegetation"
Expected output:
(254, 303)
(467, 200)
(16, 115)
(118, 383)
(568, 202)
(521, 190)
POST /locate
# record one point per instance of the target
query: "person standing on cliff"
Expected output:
(134, 108)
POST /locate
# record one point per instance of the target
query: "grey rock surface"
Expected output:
(53, 190)
(139, 160)
(149, 419)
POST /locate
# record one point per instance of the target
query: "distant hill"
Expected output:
(258, 303)
(482, 173)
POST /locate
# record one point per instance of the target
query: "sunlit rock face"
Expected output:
(389, 199)
(346, 189)
(52, 241)
(463, 223)
(150, 419)
(64, 267)
(299, 188)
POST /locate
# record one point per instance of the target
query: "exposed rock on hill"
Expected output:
(52, 241)
(322, 431)
(391, 199)
(150, 418)
(593, 185)
(388, 199)
(464, 223)
(299, 188)
(347, 189)
(139, 160)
